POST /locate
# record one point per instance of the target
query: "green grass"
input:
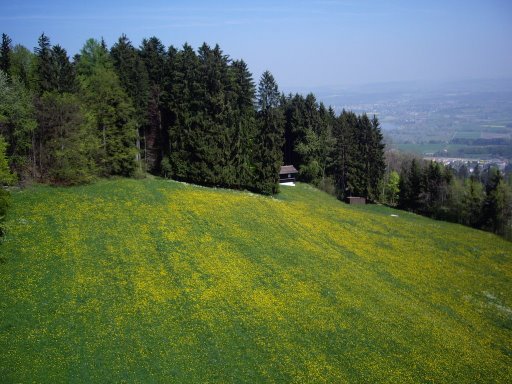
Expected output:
(158, 281)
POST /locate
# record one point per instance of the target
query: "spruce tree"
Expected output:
(185, 105)
(346, 154)
(153, 55)
(242, 99)
(64, 72)
(133, 77)
(45, 74)
(269, 142)
(5, 54)
(377, 164)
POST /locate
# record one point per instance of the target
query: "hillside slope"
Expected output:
(158, 281)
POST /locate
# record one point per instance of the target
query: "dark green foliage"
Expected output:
(154, 59)
(111, 110)
(18, 124)
(132, 73)
(344, 152)
(68, 146)
(358, 160)
(184, 109)
(6, 178)
(309, 138)
(5, 200)
(269, 142)
(22, 63)
(5, 53)
(210, 136)
(434, 190)
(211, 118)
(410, 187)
(497, 206)
(243, 123)
(375, 160)
(472, 203)
(64, 73)
(133, 78)
(45, 76)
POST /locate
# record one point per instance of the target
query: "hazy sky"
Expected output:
(303, 43)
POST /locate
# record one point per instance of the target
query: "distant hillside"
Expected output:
(159, 281)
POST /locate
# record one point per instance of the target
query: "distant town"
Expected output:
(470, 164)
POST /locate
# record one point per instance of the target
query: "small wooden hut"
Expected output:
(355, 200)
(287, 174)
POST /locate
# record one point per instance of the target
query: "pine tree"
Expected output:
(268, 150)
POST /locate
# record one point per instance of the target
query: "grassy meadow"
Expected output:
(157, 281)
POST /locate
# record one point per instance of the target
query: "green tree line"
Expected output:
(196, 116)
(481, 199)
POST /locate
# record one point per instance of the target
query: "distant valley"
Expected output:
(465, 119)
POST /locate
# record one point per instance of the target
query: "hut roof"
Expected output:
(287, 169)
